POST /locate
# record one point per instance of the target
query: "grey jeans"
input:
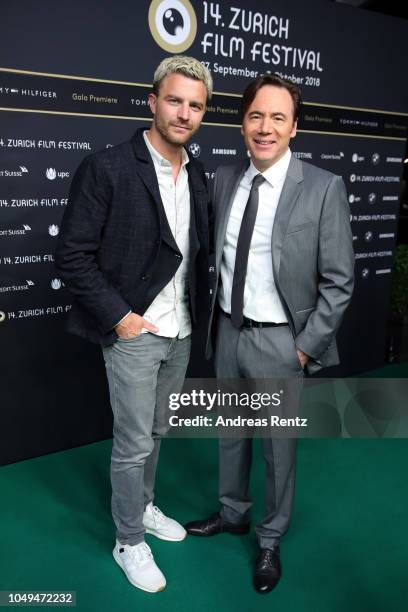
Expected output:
(141, 372)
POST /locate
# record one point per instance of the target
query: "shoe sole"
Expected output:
(236, 532)
(136, 584)
(163, 537)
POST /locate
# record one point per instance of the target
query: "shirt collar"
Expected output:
(159, 159)
(276, 174)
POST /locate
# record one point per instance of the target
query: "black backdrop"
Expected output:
(74, 78)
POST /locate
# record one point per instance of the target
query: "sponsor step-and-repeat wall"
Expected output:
(90, 93)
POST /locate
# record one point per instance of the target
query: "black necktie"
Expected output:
(241, 259)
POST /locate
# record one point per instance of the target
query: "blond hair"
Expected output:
(188, 66)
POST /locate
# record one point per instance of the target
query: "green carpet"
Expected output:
(346, 549)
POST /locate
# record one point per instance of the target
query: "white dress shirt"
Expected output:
(169, 311)
(261, 299)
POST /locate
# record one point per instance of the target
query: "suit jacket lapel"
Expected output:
(225, 197)
(289, 196)
(146, 171)
(198, 199)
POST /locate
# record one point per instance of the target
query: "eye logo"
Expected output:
(173, 24)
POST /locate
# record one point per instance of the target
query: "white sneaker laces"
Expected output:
(140, 553)
(158, 515)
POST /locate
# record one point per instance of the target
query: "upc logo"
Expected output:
(56, 283)
(51, 174)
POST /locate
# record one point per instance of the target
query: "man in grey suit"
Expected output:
(284, 263)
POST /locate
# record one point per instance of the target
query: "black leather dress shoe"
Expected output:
(214, 525)
(267, 569)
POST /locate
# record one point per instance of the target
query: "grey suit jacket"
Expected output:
(312, 253)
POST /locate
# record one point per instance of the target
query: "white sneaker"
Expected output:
(163, 527)
(138, 564)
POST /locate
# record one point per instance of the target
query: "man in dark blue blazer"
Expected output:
(133, 250)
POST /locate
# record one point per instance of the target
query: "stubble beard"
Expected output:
(164, 131)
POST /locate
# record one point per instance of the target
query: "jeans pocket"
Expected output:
(132, 339)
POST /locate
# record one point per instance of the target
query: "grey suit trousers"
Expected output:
(257, 353)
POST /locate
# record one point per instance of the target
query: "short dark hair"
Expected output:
(275, 80)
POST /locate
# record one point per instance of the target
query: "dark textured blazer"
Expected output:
(116, 250)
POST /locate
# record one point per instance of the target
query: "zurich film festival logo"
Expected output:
(173, 24)
(53, 230)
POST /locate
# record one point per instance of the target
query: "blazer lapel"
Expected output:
(224, 202)
(198, 198)
(287, 201)
(146, 171)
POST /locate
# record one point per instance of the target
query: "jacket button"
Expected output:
(145, 277)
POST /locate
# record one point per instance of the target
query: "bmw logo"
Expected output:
(194, 149)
